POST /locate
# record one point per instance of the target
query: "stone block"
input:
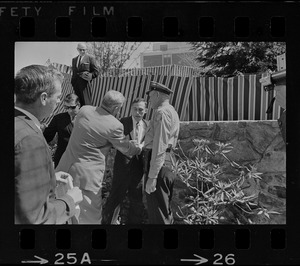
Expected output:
(278, 191)
(272, 160)
(243, 152)
(268, 200)
(261, 134)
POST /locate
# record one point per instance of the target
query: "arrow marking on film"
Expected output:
(40, 260)
(199, 261)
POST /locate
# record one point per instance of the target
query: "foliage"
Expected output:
(232, 58)
(216, 193)
(111, 55)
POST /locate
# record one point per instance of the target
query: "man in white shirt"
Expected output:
(161, 137)
(127, 173)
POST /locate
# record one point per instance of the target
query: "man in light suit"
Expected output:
(95, 131)
(85, 69)
(127, 173)
(37, 92)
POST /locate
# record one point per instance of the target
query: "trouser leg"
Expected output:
(90, 207)
(158, 202)
(115, 198)
(87, 95)
(136, 207)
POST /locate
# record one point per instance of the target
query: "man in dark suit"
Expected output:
(37, 92)
(127, 173)
(85, 69)
(62, 125)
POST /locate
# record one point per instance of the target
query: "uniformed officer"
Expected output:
(162, 134)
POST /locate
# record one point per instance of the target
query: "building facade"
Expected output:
(167, 53)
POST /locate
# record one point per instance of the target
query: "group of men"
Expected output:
(87, 133)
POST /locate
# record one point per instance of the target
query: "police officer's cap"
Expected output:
(155, 86)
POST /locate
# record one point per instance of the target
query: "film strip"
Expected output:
(272, 243)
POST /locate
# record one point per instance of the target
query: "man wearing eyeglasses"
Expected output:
(62, 125)
(85, 69)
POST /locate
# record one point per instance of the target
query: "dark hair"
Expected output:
(72, 97)
(33, 80)
(137, 100)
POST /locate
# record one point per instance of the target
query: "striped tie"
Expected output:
(78, 61)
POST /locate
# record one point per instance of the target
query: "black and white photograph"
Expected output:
(150, 133)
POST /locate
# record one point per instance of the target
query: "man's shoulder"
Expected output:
(61, 115)
(24, 131)
(125, 119)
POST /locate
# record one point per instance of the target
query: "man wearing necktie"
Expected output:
(38, 91)
(127, 173)
(85, 69)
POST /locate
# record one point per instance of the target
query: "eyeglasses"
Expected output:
(70, 107)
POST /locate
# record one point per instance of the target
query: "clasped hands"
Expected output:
(139, 146)
(86, 75)
(67, 179)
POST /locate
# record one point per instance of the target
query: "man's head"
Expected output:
(81, 48)
(138, 108)
(38, 88)
(158, 93)
(72, 104)
(113, 101)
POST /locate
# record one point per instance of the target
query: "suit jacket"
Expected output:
(62, 125)
(124, 165)
(95, 132)
(35, 181)
(88, 63)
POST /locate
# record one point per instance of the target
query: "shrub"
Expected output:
(215, 186)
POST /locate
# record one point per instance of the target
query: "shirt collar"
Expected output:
(31, 116)
(134, 121)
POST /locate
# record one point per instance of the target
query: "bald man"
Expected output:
(85, 69)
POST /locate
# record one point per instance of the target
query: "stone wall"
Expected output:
(258, 143)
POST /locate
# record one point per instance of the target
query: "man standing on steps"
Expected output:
(85, 69)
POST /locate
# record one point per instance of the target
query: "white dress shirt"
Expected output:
(141, 130)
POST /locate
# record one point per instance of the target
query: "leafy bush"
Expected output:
(215, 184)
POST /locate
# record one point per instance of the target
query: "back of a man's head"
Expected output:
(112, 98)
(32, 80)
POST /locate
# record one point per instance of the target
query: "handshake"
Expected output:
(138, 146)
(65, 186)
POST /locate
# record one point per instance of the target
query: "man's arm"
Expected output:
(35, 182)
(162, 124)
(94, 68)
(122, 143)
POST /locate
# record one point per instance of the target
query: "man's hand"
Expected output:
(151, 185)
(138, 146)
(76, 194)
(87, 76)
(63, 177)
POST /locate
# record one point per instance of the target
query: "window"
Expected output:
(164, 47)
(167, 59)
